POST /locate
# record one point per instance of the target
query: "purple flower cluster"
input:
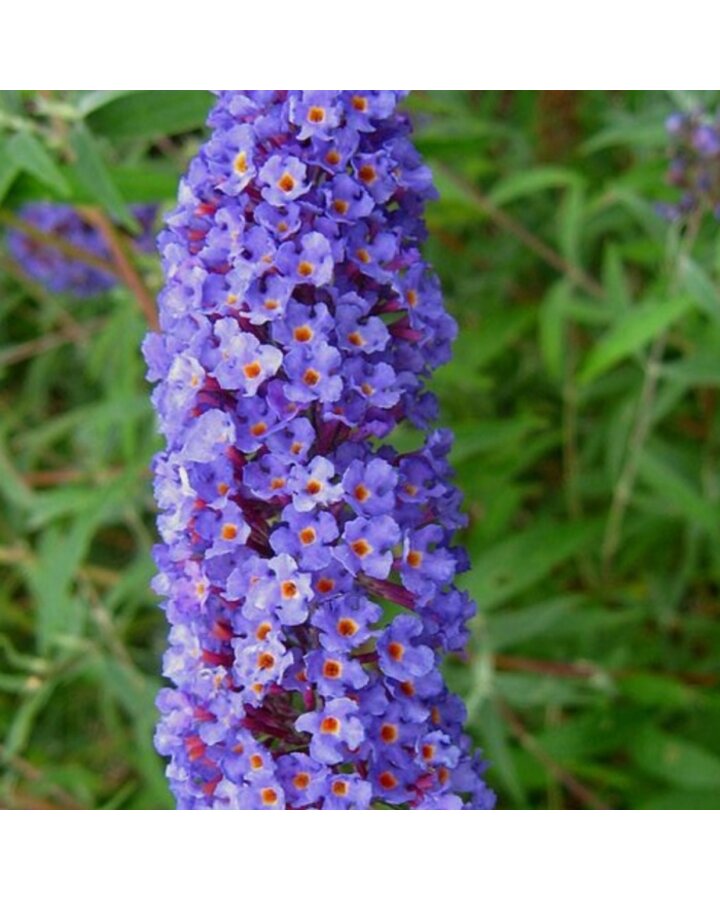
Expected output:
(694, 164)
(55, 269)
(307, 565)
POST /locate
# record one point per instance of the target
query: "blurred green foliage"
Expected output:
(583, 394)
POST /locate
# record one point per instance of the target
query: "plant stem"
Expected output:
(123, 263)
(642, 426)
(519, 231)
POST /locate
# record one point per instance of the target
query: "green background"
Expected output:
(583, 393)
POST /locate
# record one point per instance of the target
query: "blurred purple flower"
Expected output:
(55, 269)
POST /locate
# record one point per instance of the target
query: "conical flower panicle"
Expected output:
(307, 565)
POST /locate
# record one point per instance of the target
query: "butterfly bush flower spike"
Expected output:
(307, 566)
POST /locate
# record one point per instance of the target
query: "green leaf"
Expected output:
(516, 627)
(631, 333)
(551, 321)
(699, 286)
(676, 760)
(496, 331)
(631, 133)
(679, 495)
(570, 223)
(94, 175)
(485, 437)
(495, 742)
(89, 101)
(30, 156)
(9, 170)
(519, 562)
(658, 691)
(701, 369)
(532, 181)
(150, 114)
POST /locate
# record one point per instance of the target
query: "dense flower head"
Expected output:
(52, 266)
(694, 164)
(307, 565)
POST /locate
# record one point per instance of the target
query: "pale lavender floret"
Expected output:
(267, 477)
(348, 792)
(208, 435)
(335, 674)
(314, 373)
(230, 157)
(358, 333)
(345, 623)
(267, 300)
(243, 361)
(312, 485)
(309, 263)
(370, 487)
(425, 565)
(367, 545)
(285, 592)
(347, 201)
(311, 786)
(333, 728)
(292, 442)
(281, 222)
(316, 113)
(306, 536)
(303, 326)
(285, 179)
(400, 657)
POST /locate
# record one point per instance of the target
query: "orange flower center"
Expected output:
(361, 493)
(305, 268)
(308, 535)
(301, 781)
(347, 627)
(252, 369)
(286, 182)
(330, 725)
(360, 547)
(269, 796)
(332, 668)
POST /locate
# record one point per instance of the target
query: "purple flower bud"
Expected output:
(307, 565)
